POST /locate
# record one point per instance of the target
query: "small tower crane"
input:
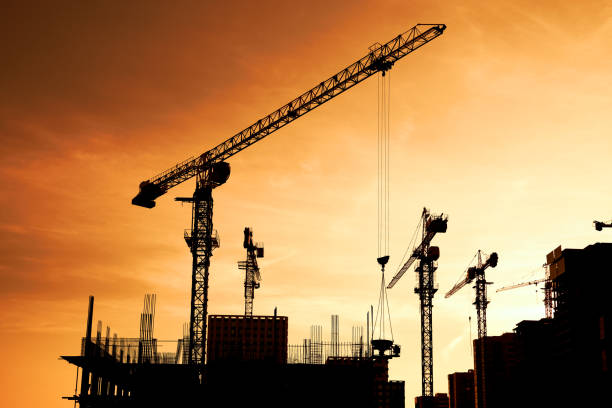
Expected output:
(211, 169)
(252, 276)
(481, 302)
(599, 225)
(427, 255)
(548, 291)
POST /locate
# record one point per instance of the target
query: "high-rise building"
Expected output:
(461, 389)
(494, 386)
(563, 361)
(581, 282)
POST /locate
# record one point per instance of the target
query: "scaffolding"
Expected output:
(318, 353)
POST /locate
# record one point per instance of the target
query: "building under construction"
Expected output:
(558, 360)
(246, 365)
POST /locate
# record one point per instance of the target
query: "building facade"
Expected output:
(247, 338)
(461, 389)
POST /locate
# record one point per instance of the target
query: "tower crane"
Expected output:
(252, 275)
(427, 255)
(548, 291)
(481, 302)
(599, 225)
(210, 169)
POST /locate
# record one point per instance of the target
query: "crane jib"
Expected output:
(379, 59)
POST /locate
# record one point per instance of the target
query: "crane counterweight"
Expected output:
(600, 225)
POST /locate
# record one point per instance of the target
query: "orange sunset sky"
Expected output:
(504, 123)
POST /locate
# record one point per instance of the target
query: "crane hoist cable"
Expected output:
(383, 141)
(383, 132)
(382, 327)
(383, 302)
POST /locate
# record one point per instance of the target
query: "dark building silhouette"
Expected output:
(581, 283)
(342, 381)
(537, 371)
(439, 400)
(501, 359)
(461, 390)
(558, 362)
(245, 338)
(247, 367)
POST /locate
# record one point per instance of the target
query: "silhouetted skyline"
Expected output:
(503, 123)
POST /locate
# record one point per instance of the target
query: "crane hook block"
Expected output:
(383, 260)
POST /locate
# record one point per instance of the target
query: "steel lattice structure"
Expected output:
(252, 275)
(201, 240)
(481, 302)
(426, 291)
(211, 170)
(548, 293)
(427, 256)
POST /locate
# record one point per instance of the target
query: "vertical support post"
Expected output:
(367, 333)
(274, 346)
(372, 332)
(88, 353)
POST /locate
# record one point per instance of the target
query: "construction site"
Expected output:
(247, 359)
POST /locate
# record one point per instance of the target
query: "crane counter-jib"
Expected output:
(381, 58)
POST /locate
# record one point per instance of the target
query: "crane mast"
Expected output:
(427, 256)
(252, 275)
(210, 169)
(477, 273)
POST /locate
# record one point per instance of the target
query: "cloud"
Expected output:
(449, 348)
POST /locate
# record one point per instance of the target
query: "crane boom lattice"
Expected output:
(378, 59)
